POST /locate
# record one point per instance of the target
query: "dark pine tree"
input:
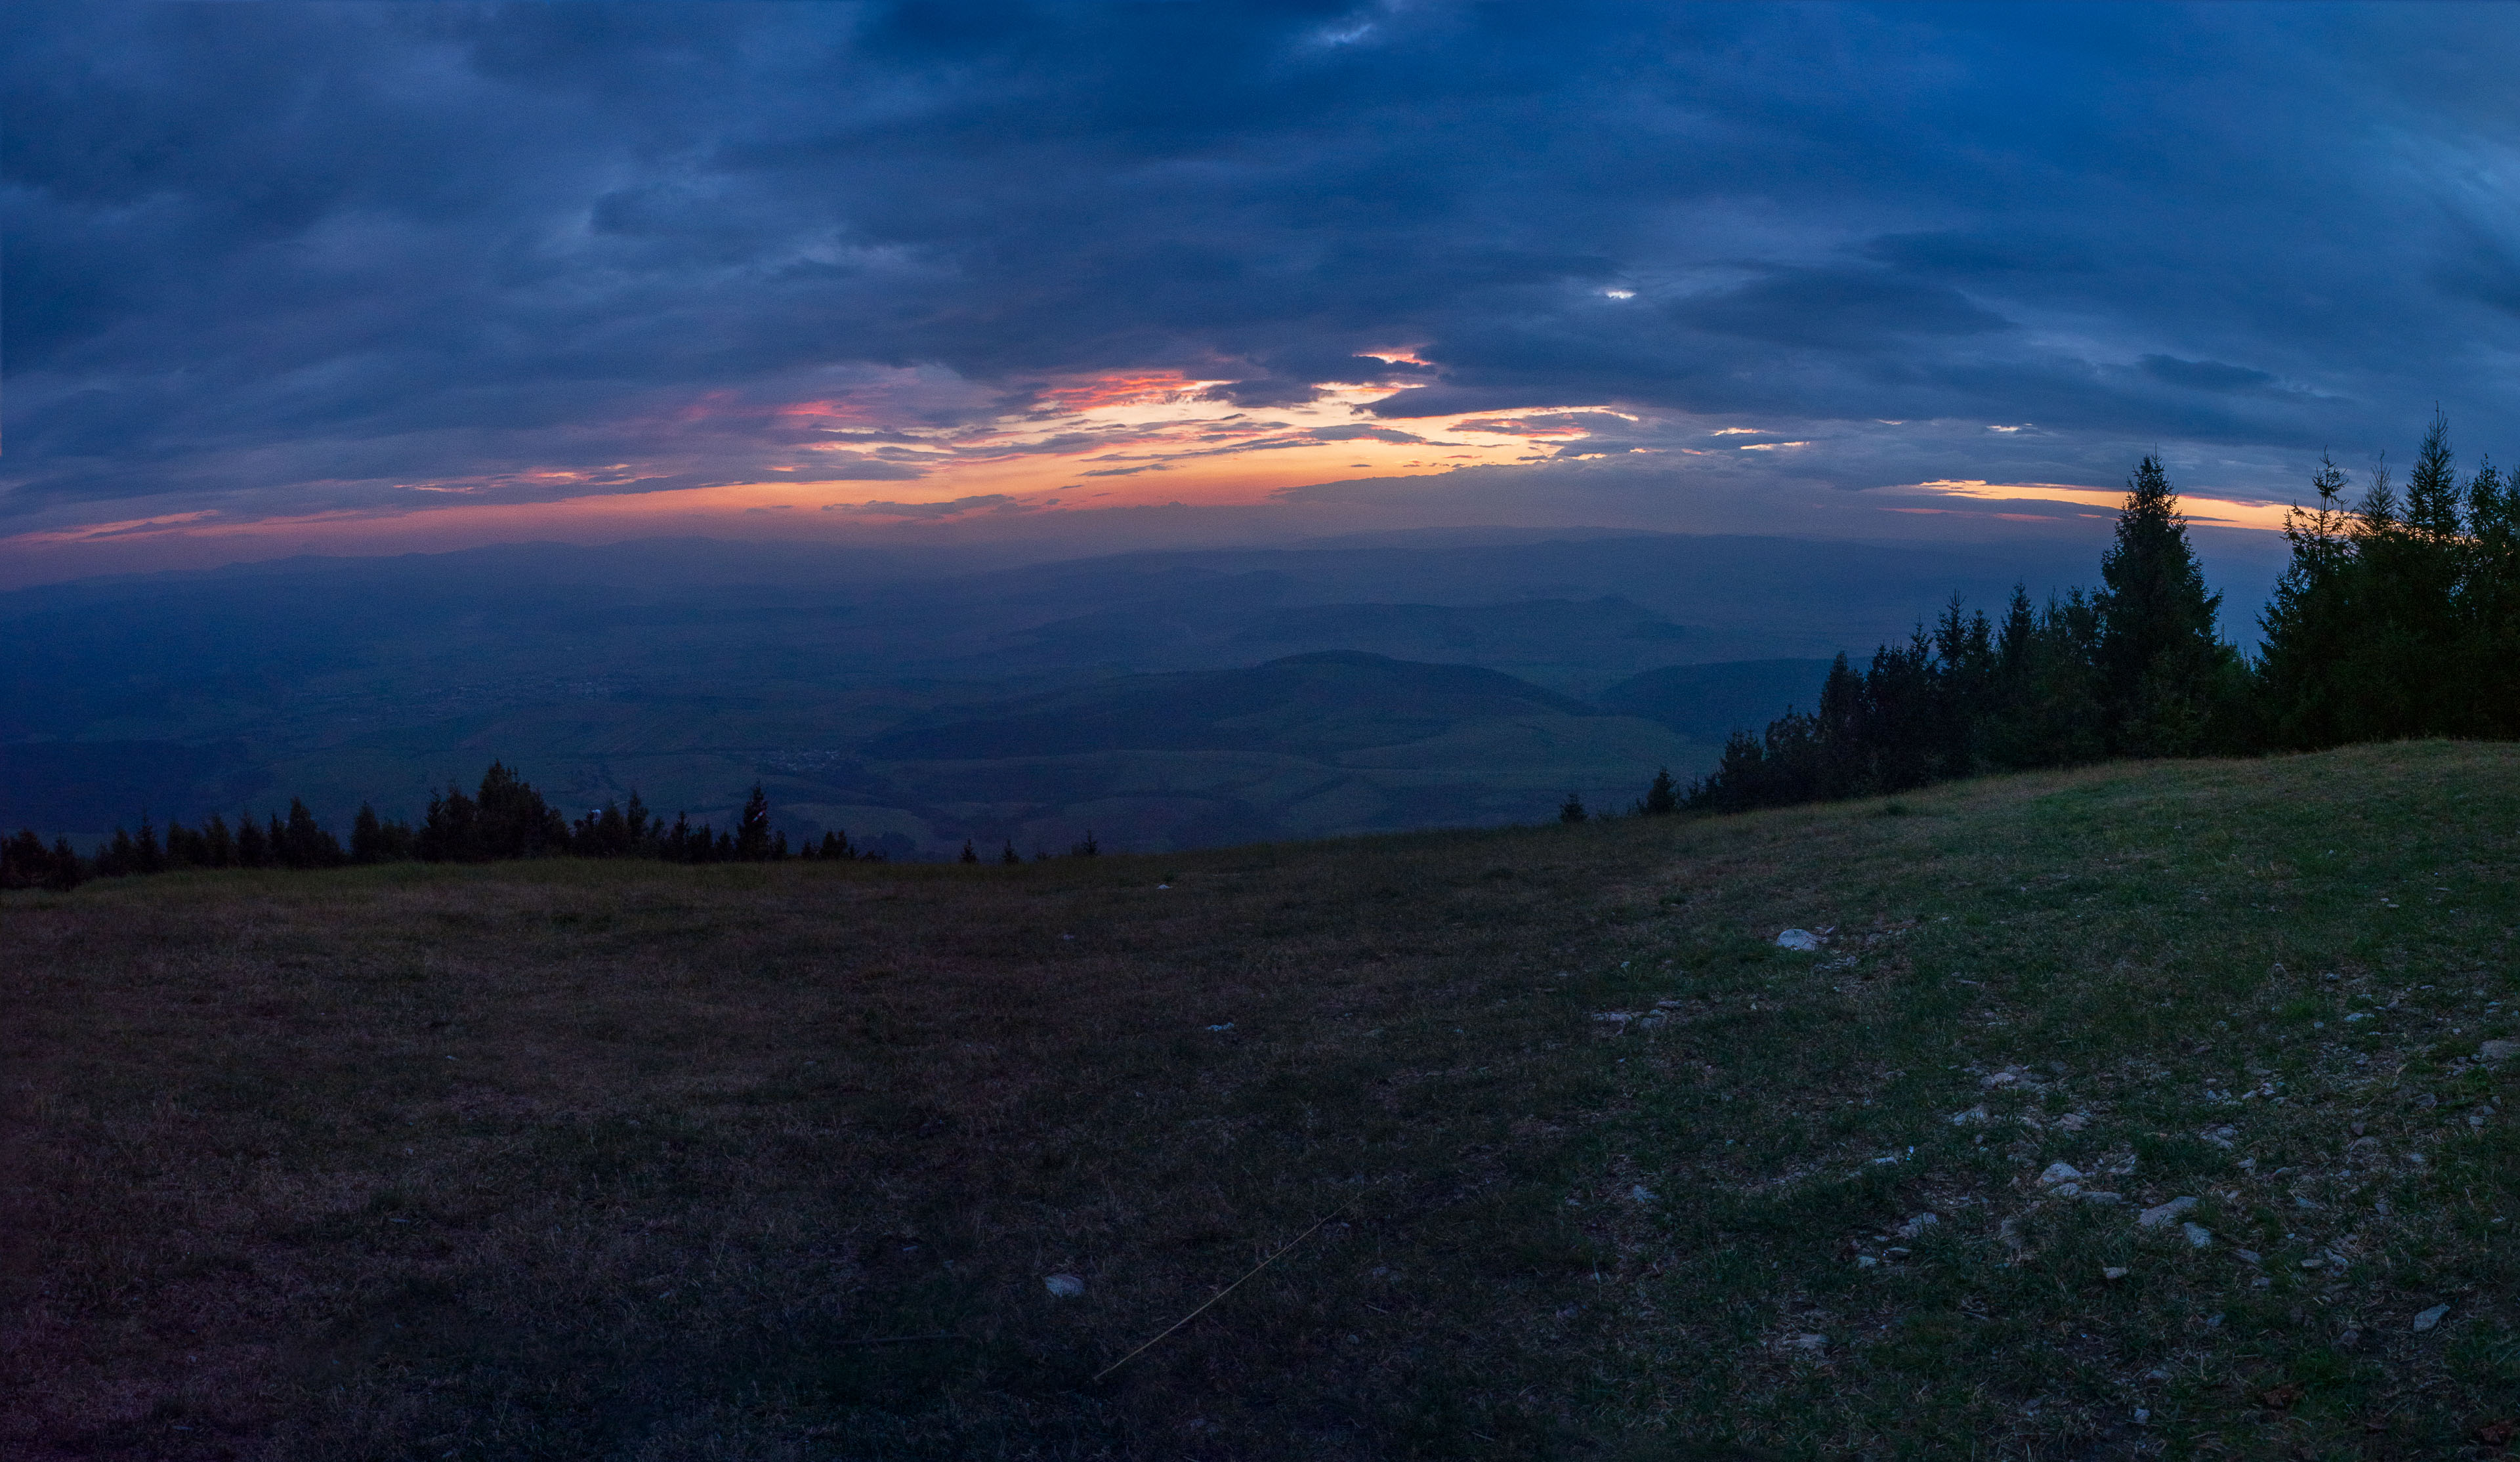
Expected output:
(23, 862)
(117, 858)
(187, 847)
(218, 848)
(2308, 623)
(1571, 811)
(753, 830)
(2164, 675)
(304, 841)
(1663, 796)
(1010, 857)
(252, 850)
(67, 871)
(970, 854)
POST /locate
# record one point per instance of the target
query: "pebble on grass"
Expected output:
(2162, 1212)
(2427, 1318)
(1063, 1286)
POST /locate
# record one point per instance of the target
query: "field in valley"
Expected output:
(570, 1160)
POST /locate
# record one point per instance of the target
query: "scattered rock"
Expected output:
(2002, 1079)
(2248, 1255)
(2074, 1122)
(2160, 1214)
(2096, 1195)
(2220, 1136)
(1915, 1228)
(2113, 1271)
(2425, 1319)
(1641, 1193)
(1799, 939)
(2497, 1050)
(2198, 1235)
(2057, 1172)
(1227, 1026)
(1969, 1118)
(1810, 1342)
(1063, 1286)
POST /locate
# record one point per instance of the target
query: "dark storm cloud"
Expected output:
(334, 250)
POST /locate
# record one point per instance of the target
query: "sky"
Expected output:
(373, 277)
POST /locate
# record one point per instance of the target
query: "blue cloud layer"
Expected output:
(316, 249)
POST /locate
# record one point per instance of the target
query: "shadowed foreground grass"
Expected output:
(571, 1160)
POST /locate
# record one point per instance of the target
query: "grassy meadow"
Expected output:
(570, 1160)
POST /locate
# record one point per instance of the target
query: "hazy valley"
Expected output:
(848, 681)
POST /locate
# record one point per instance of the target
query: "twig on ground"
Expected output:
(1219, 1295)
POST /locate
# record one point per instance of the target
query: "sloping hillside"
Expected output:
(571, 1160)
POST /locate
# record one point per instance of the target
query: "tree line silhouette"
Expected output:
(2398, 616)
(503, 818)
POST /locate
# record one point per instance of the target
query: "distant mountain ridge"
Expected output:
(1709, 702)
(1324, 703)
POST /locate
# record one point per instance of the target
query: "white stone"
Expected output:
(2061, 1173)
(2162, 1213)
(1799, 939)
(2428, 1318)
(2198, 1235)
(1063, 1286)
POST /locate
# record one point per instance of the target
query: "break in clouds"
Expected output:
(275, 258)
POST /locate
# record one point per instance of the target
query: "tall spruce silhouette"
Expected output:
(2162, 670)
(753, 830)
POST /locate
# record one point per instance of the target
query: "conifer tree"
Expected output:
(1663, 796)
(2307, 623)
(303, 843)
(23, 862)
(753, 830)
(1571, 811)
(1010, 857)
(218, 848)
(2163, 671)
(185, 846)
(66, 871)
(251, 849)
